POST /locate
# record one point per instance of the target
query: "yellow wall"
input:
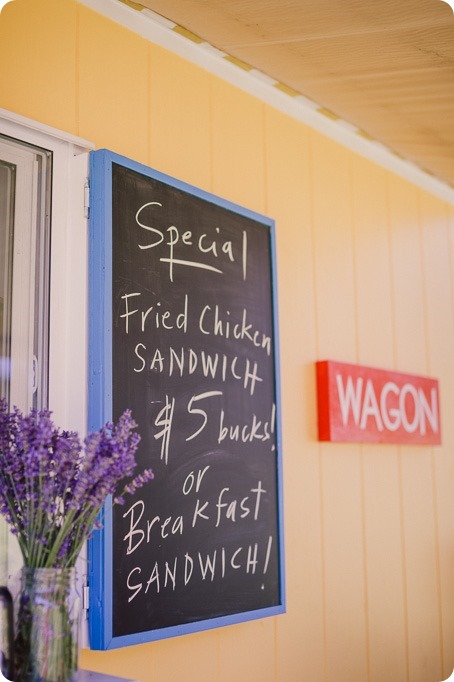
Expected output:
(365, 274)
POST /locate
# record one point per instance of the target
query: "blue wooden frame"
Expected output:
(100, 398)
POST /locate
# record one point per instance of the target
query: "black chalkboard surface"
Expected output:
(183, 332)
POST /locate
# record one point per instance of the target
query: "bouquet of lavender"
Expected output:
(52, 488)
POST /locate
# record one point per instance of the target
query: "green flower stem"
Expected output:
(47, 628)
(81, 536)
(64, 530)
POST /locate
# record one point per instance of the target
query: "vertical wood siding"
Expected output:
(365, 275)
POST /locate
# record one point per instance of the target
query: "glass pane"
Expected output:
(7, 194)
(25, 200)
(40, 320)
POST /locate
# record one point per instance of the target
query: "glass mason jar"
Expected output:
(47, 628)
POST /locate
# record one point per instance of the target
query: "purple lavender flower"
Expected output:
(52, 487)
(138, 482)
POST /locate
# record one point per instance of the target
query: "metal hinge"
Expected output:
(85, 598)
(87, 198)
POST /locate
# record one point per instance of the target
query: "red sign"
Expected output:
(364, 405)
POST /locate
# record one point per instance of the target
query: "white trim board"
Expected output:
(160, 32)
(80, 145)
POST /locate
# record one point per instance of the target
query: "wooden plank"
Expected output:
(415, 470)
(118, 86)
(38, 61)
(300, 633)
(180, 136)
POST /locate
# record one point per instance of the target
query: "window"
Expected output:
(25, 181)
(43, 280)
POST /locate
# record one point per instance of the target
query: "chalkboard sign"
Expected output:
(183, 331)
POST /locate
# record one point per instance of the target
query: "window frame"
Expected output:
(68, 291)
(29, 276)
(68, 284)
